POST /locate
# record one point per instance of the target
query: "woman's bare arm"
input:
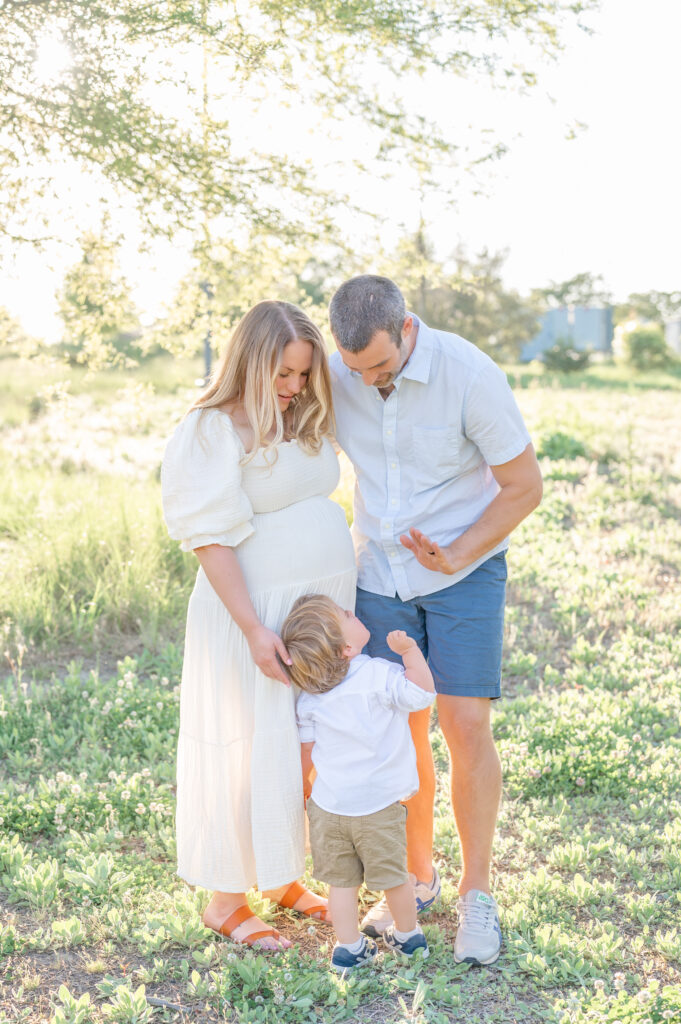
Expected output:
(222, 568)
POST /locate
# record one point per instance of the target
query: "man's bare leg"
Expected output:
(476, 783)
(420, 807)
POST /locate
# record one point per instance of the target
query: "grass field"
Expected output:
(94, 925)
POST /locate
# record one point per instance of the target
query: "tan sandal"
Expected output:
(293, 894)
(237, 917)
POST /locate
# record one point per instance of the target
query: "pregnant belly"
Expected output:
(303, 542)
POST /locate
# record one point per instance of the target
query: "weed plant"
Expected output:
(94, 924)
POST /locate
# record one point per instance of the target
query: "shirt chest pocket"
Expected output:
(435, 455)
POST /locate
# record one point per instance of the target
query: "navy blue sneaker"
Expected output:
(410, 946)
(343, 960)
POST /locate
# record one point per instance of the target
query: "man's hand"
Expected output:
(265, 645)
(429, 553)
(399, 642)
(520, 489)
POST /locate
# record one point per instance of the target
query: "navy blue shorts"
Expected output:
(459, 629)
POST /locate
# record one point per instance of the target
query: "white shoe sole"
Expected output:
(475, 961)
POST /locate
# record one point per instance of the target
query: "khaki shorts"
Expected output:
(370, 848)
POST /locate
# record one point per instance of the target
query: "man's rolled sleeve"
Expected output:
(492, 419)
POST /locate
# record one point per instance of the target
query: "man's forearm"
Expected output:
(511, 505)
(520, 491)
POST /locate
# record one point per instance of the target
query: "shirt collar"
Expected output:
(418, 365)
(355, 664)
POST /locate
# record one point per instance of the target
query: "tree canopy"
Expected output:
(95, 305)
(655, 306)
(132, 101)
(583, 289)
(466, 295)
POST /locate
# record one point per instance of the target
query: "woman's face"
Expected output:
(294, 371)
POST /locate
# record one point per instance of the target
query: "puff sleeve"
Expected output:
(203, 500)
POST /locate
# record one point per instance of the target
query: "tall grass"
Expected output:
(25, 382)
(605, 376)
(88, 564)
(587, 861)
(86, 561)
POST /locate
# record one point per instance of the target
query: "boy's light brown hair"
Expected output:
(314, 640)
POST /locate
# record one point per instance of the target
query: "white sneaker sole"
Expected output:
(476, 961)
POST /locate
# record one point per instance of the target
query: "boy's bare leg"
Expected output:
(344, 914)
(402, 906)
(421, 806)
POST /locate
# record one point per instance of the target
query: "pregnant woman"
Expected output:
(245, 479)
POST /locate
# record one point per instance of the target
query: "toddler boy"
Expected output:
(353, 721)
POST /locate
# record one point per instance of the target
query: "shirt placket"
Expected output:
(389, 540)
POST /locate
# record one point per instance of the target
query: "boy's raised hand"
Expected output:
(399, 642)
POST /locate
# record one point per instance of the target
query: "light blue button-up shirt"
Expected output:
(422, 456)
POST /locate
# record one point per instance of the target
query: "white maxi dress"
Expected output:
(240, 819)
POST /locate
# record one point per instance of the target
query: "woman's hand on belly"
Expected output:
(267, 648)
(222, 568)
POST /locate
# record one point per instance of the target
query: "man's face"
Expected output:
(379, 363)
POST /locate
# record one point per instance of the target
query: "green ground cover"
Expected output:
(94, 925)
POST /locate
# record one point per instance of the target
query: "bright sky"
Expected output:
(606, 201)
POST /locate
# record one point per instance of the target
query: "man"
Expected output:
(445, 471)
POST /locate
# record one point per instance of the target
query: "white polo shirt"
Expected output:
(363, 750)
(422, 456)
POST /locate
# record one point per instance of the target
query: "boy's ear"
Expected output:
(347, 650)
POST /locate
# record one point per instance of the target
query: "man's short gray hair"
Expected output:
(364, 305)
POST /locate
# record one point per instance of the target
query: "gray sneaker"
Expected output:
(375, 922)
(478, 939)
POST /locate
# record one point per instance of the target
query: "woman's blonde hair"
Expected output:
(314, 640)
(247, 373)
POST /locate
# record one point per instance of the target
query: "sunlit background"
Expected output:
(589, 181)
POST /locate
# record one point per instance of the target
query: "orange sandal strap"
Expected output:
(265, 933)
(293, 894)
(237, 917)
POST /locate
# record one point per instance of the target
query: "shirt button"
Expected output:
(388, 431)
(393, 465)
(394, 501)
